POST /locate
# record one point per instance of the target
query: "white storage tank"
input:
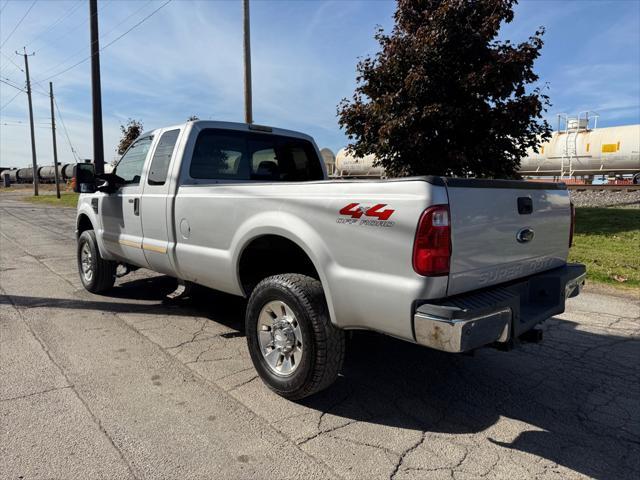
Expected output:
(351, 166)
(329, 160)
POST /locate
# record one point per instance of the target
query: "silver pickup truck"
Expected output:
(452, 264)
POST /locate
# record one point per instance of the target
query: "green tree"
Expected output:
(443, 96)
(130, 132)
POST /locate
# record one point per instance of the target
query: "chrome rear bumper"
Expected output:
(456, 335)
(496, 315)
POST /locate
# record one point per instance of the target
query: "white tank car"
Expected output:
(610, 150)
(350, 166)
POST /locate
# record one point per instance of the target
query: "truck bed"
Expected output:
(364, 258)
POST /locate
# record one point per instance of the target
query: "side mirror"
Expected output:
(109, 183)
(84, 176)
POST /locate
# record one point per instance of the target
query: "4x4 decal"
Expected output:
(378, 214)
(356, 211)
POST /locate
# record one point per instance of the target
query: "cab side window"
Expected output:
(162, 157)
(130, 166)
(219, 155)
(238, 155)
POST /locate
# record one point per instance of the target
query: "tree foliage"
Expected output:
(130, 132)
(443, 96)
(192, 118)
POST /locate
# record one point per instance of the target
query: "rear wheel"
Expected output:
(97, 274)
(294, 347)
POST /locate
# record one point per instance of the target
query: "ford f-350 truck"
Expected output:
(452, 264)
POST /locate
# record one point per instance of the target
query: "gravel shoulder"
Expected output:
(595, 198)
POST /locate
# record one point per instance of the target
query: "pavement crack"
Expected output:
(253, 377)
(19, 397)
(404, 454)
(193, 338)
(323, 432)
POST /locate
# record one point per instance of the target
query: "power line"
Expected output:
(11, 85)
(104, 35)
(9, 102)
(62, 17)
(12, 61)
(51, 42)
(20, 122)
(18, 24)
(41, 92)
(108, 44)
(64, 127)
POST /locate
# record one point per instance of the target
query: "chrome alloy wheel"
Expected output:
(280, 338)
(86, 261)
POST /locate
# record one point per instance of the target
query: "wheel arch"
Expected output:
(271, 254)
(87, 219)
(83, 223)
(305, 246)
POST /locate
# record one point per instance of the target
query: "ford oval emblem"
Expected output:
(525, 235)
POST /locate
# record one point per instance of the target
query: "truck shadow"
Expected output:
(574, 399)
(577, 392)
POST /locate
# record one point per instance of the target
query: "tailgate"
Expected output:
(502, 230)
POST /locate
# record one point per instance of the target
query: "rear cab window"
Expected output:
(162, 157)
(235, 155)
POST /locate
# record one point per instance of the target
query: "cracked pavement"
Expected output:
(129, 386)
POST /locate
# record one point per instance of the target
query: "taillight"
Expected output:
(573, 223)
(432, 246)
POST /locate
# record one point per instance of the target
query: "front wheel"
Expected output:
(294, 347)
(97, 274)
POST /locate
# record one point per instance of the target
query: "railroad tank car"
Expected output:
(12, 175)
(47, 174)
(24, 175)
(583, 151)
(351, 166)
(67, 171)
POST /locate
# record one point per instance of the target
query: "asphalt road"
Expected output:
(126, 386)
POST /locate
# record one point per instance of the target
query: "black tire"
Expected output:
(323, 343)
(103, 271)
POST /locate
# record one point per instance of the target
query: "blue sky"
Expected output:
(187, 59)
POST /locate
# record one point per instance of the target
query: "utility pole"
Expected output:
(33, 138)
(96, 95)
(248, 110)
(55, 148)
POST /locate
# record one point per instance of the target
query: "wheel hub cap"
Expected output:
(280, 338)
(85, 262)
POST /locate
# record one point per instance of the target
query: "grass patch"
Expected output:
(67, 199)
(607, 241)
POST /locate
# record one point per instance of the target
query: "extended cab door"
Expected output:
(120, 211)
(155, 204)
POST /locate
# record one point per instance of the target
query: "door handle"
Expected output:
(136, 205)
